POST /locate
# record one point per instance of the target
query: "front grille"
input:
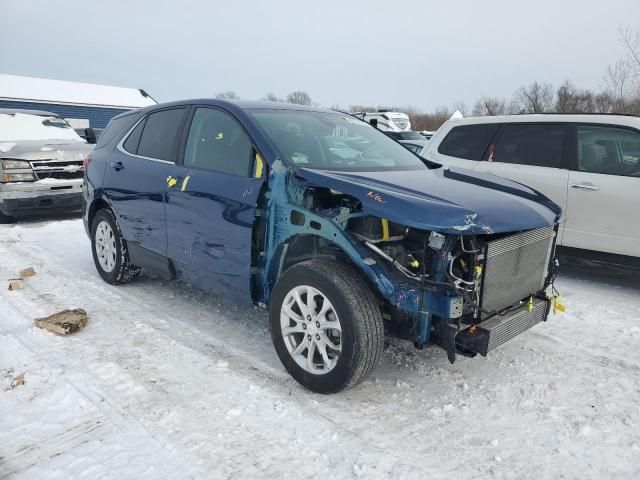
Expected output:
(58, 169)
(59, 175)
(515, 267)
(500, 328)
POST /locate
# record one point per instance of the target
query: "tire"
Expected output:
(112, 263)
(5, 219)
(355, 346)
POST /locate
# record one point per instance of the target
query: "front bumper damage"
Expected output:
(43, 196)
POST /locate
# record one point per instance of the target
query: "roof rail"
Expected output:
(581, 113)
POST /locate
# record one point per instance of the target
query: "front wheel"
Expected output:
(326, 325)
(110, 253)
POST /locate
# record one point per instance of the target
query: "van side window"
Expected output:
(133, 140)
(160, 135)
(468, 141)
(216, 142)
(540, 145)
(609, 150)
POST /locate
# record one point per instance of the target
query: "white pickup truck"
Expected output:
(41, 164)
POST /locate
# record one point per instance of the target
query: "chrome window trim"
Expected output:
(120, 146)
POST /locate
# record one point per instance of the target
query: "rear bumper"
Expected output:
(22, 199)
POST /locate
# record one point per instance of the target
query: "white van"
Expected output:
(587, 164)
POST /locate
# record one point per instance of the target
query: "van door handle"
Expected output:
(117, 166)
(585, 186)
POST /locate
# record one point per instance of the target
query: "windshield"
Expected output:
(21, 126)
(333, 141)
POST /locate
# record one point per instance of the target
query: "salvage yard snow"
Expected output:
(166, 382)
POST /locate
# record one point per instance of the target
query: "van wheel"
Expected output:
(326, 325)
(110, 253)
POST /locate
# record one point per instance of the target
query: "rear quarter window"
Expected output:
(468, 141)
(114, 129)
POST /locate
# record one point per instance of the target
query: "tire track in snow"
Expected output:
(257, 373)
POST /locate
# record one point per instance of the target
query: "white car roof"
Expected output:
(626, 120)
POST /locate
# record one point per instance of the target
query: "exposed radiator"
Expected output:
(500, 328)
(515, 267)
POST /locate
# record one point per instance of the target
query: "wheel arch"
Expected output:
(314, 228)
(96, 205)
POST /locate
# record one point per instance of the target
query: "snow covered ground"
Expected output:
(166, 382)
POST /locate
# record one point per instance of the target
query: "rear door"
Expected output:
(604, 191)
(533, 154)
(135, 178)
(211, 202)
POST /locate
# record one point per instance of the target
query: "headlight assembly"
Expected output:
(14, 164)
(16, 171)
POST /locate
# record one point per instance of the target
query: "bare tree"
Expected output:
(489, 106)
(228, 95)
(462, 107)
(536, 98)
(272, 97)
(299, 97)
(618, 80)
(362, 108)
(570, 99)
(631, 40)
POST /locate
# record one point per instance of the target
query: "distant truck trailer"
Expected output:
(82, 105)
(386, 120)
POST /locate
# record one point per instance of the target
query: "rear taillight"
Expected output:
(85, 162)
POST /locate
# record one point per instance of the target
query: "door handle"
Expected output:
(117, 166)
(585, 186)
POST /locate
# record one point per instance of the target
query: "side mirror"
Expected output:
(90, 135)
(374, 122)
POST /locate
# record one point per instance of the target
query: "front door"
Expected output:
(604, 191)
(211, 202)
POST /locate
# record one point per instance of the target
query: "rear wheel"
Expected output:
(326, 325)
(5, 218)
(109, 248)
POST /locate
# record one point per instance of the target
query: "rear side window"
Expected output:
(160, 135)
(133, 140)
(216, 142)
(609, 150)
(468, 141)
(114, 128)
(539, 145)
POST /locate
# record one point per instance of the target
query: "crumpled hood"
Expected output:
(445, 200)
(44, 150)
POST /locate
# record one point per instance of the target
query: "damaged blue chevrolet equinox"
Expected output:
(342, 233)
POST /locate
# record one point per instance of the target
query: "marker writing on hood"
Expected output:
(376, 197)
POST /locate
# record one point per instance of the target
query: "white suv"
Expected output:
(587, 164)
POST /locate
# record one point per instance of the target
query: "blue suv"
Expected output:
(342, 233)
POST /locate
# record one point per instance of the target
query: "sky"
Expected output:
(416, 52)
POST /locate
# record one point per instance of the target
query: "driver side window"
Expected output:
(216, 142)
(608, 150)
